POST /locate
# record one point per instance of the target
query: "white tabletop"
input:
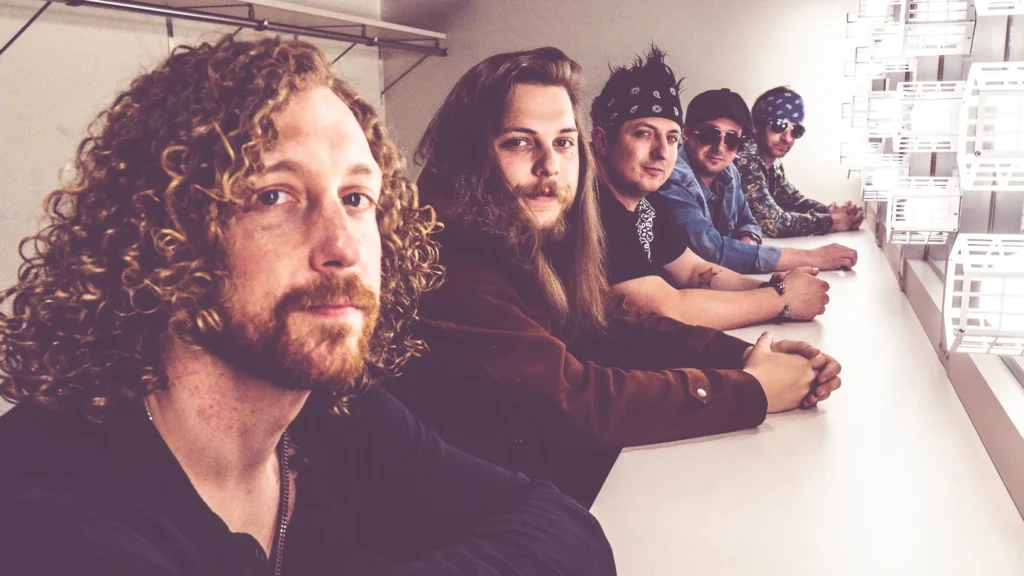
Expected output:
(888, 476)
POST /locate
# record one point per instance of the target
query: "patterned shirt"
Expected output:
(780, 209)
(638, 243)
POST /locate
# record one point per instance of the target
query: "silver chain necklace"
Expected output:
(282, 511)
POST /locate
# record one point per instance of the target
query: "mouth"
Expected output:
(334, 310)
(654, 170)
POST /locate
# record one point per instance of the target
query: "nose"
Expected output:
(719, 145)
(660, 147)
(787, 136)
(335, 246)
(546, 164)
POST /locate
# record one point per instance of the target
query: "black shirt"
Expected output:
(639, 244)
(376, 492)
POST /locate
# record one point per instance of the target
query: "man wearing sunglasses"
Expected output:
(637, 121)
(704, 203)
(780, 209)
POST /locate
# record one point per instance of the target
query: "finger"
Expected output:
(818, 362)
(830, 370)
(833, 384)
(804, 349)
(765, 342)
(820, 394)
(825, 390)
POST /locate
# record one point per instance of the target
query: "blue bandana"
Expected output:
(786, 105)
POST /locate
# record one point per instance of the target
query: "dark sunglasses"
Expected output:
(779, 126)
(710, 135)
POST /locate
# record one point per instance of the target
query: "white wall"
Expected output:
(68, 67)
(746, 45)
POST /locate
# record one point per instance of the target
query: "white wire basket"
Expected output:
(983, 304)
(882, 176)
(938, 39)
(867, 64)
(923, 210)
(928, 114)
(886, 10)
(991, 128)
(918, 11)
(876, 113)
(999, 7)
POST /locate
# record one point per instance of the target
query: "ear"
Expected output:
(600, 140)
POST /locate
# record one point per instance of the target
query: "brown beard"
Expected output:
(316, 359)
(563, 195)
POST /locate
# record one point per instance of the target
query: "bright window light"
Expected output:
(923, 210)
(928, 116)
(983, 305)
(991, 128)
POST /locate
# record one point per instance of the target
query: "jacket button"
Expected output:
(702, 393)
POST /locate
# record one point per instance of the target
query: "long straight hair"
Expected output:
(463, 180)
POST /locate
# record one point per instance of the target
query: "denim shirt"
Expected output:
(713, 220)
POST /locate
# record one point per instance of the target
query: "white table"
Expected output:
(888, 476)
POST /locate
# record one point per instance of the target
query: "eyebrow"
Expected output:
(360, 169)
(532, 132)
(655, 129)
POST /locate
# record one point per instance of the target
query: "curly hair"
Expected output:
(132, 249)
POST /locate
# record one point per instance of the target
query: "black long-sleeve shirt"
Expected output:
(377, 492)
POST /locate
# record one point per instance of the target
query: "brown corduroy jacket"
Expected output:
(497, 383)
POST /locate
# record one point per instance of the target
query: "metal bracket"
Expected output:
(404, 74)
(25, 27)
(342, 55)
(170, 35)
(253, 22)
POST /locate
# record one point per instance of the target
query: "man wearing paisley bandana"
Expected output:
(779, 208)
(637, 131)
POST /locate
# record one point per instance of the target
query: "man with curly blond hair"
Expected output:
(193, 339)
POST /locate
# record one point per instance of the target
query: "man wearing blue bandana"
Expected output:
(779, 208)
(703, 200)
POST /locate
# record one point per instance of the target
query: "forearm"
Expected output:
(729, 281)
(796, 257)
(809, 205)
(724, 310)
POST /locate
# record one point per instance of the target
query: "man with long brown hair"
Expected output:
(192, 343)
(525, 367)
